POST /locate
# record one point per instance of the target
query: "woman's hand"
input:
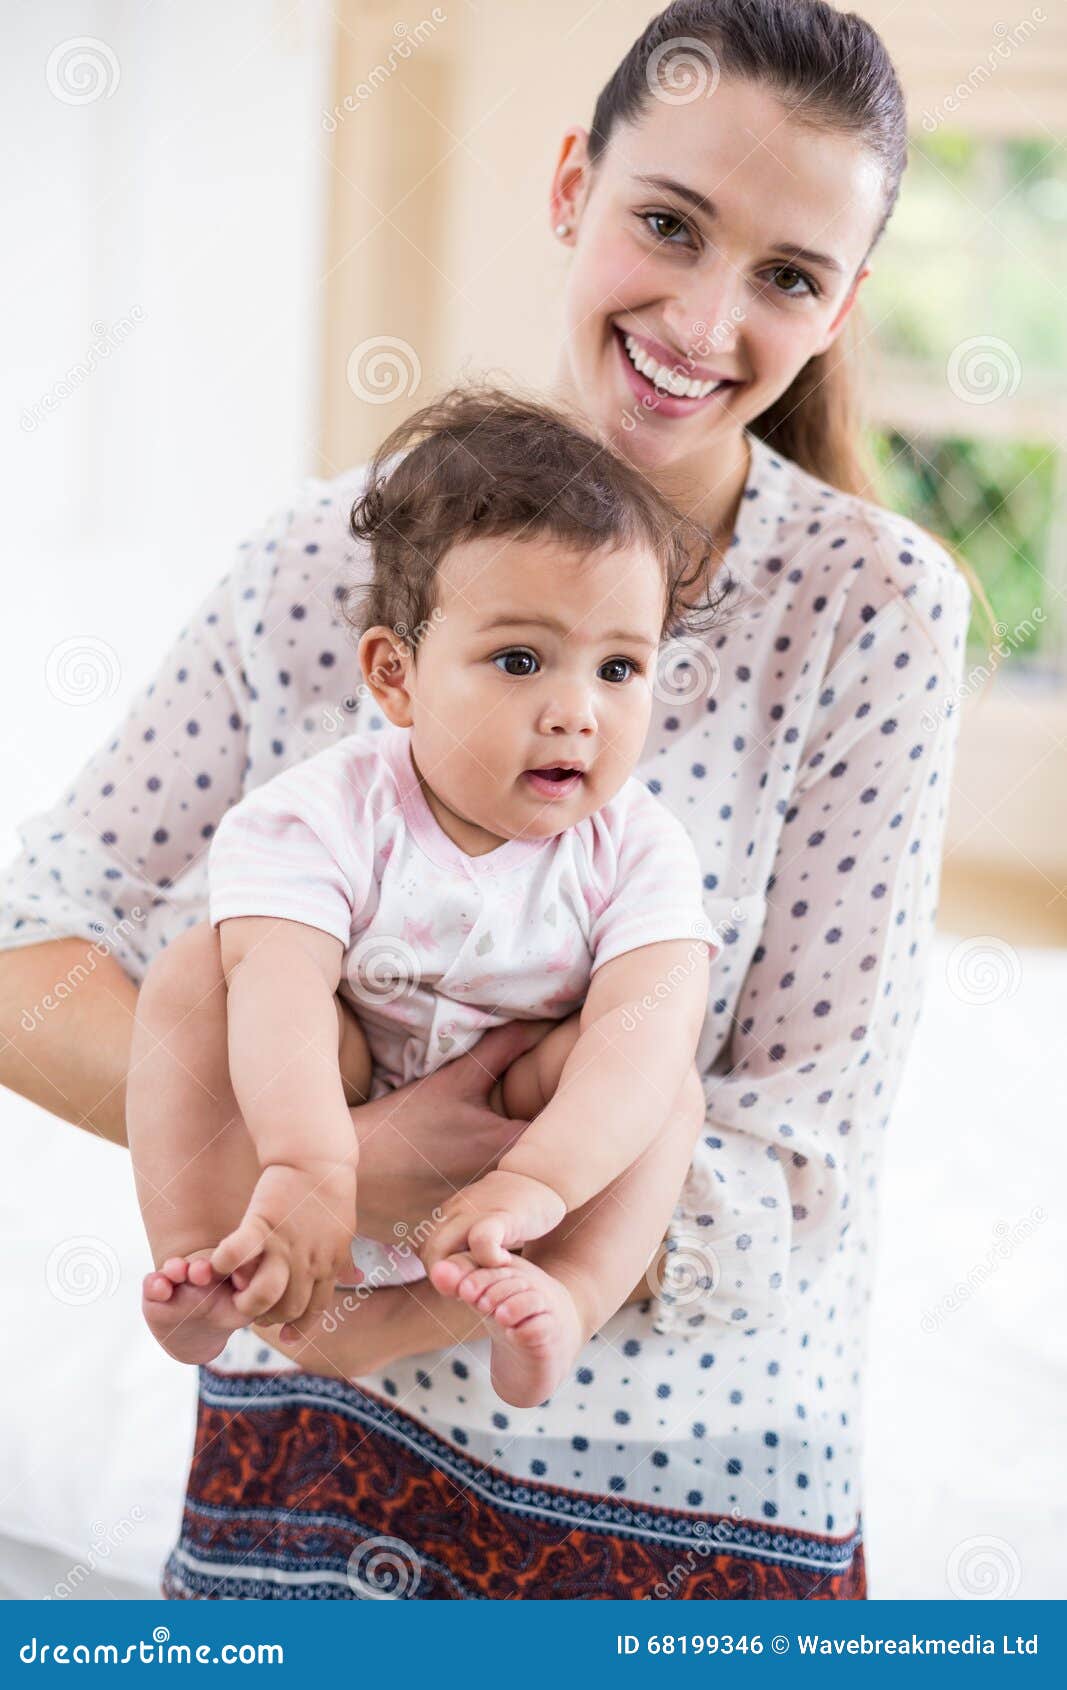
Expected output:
(423, 1142)
(362, 1331)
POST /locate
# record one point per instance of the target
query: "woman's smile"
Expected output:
(664, 387)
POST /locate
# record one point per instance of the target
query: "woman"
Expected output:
(720, 213)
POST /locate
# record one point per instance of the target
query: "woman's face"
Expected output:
(742, 290)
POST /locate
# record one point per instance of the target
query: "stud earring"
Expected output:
(563, 229)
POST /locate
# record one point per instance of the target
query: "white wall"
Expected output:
(177, 221)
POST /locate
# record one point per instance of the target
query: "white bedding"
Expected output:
(962, 1444)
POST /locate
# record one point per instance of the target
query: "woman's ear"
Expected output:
(567, 196)
(388, 666)
(842, 315)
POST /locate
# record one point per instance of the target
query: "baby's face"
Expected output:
(537, 661)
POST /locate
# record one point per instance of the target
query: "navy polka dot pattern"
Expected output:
(805, 767)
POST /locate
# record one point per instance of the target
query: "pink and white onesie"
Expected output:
(440, 946)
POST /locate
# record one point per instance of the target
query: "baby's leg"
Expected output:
(547, 1303)
(525, 1088)
(194, 1162)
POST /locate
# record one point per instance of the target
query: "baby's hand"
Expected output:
(496, 1214)
(296, 1236)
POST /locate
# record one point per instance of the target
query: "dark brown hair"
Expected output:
(832, 72)
(479, 460)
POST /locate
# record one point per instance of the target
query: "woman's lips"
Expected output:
(546, 787)
(666, 404)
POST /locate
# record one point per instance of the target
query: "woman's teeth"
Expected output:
(667, 380)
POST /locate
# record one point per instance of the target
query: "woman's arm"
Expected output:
(362, 1334)
(66, 1026)
(827, 1010)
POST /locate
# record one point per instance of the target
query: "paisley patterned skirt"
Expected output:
(305, 1486)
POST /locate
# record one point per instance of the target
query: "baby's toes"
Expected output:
(447, 1274)
(201, 1271)
(504, 1283)
(176, 1269)
(481, 1281)
(157, 1287)
(519, 1306)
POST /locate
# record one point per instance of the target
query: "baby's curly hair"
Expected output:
(478, 460)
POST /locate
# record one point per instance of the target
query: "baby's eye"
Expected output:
(517, 662)
(617, 669)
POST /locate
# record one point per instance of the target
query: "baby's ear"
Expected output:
(387, 664)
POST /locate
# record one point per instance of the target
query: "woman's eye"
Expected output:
(653, 221)
(792, 276)
(617, 669)
(517, 662)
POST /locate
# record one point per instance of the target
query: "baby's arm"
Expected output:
(638, 1034)
(282, 977)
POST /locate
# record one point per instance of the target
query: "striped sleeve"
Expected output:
(288, 849)
(645, 884)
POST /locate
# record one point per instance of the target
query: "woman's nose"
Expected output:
(705, 321)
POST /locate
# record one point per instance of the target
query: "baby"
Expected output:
(483, 854)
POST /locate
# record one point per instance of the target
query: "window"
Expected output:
(966, 310)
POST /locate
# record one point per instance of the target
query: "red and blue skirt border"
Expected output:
(303, 1486)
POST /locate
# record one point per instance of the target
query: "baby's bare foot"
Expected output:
(189, 1308)
(535, 1329)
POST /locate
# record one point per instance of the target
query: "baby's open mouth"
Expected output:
(555, 780)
